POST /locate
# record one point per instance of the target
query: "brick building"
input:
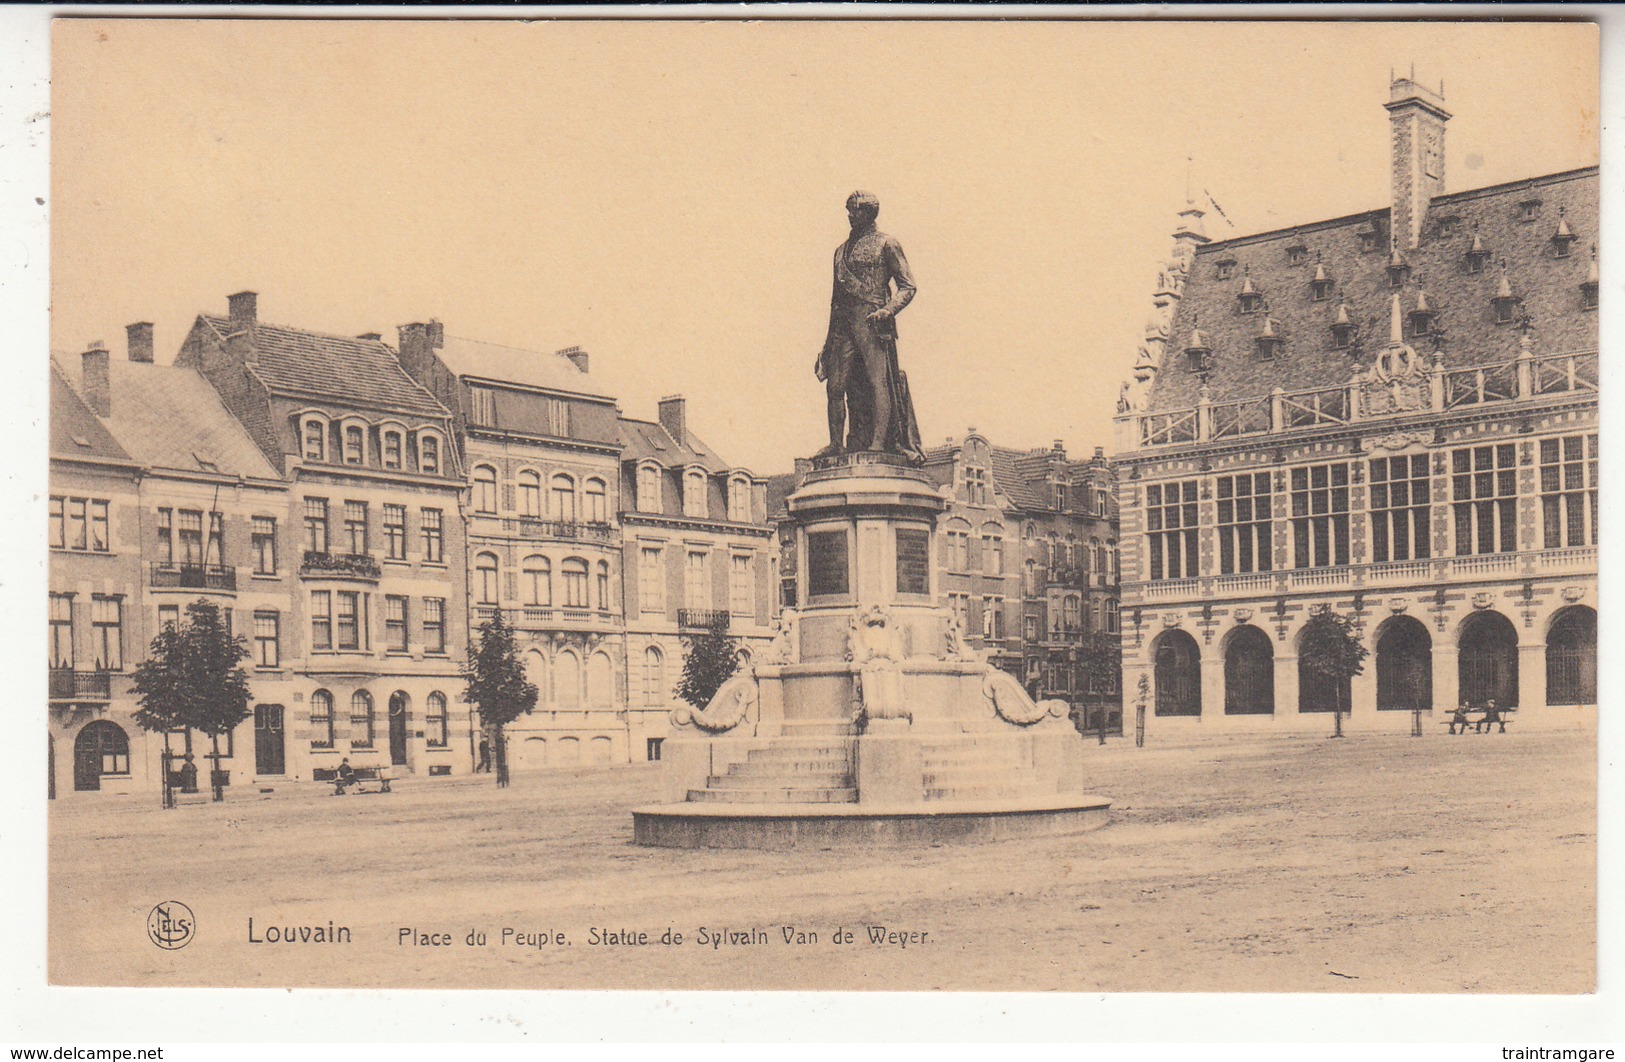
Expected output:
(1391, 415)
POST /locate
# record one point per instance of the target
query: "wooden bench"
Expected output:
(1479, 721)
(364, 776)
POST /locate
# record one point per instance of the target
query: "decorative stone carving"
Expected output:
(1243, 615)
(1011, 703)
(1397, 382)
(1483, 600)
(1399, 440)
(957, 647)
(1170, 620)
(786, 646)
(1397, 605)
(875, 644)
(729, 708)
(1571, 594)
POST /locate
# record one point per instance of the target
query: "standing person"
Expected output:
(485, 755)
(866, 389)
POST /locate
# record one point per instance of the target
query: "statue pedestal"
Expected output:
(870, 721)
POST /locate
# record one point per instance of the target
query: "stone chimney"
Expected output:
(243, 310)
(437, 334)
(674, 417)
(416, 350)
(93, 382)
(138, 338)
(577, 356)
(1416, 118)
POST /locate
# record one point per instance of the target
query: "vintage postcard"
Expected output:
(1074, 506)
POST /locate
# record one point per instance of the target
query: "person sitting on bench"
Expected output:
(1492, 714)
(345, 777)
(1459, 718)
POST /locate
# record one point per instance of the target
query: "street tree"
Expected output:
(497, 685)
(709, 660)
(1330, 648)
(1101, 662)
(193, 679)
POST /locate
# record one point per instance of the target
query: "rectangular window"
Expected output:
(79, 524)
(1484, 494)
(316, 525)
(392, 449)
(215, 551)
(395, 623)
(267, 639)
(651, 579)
(696, 581)
(169, 616)
(649, 489)
(959, 605)
(558, 416)
(993, 618)
(913, 561)
(355, 526)
(315, 440)
(76, 524)
(992, 555)
(395, 531)
(482, 407)
(1399, 508)
(107, 627)
(741, 586)
(1568, 491)
(429, 455)
(58, 531)
(263, 543)
(976, 486)
(321, 619)
(651, 749)
(352, 619)
(321, 720)
(434, 722)
(191, 537)
(1170, 520)
(62, 631)
(434, 625)
(826, 563)
(354, 445)
(739, 502)
(1320, 516)
(1244, 523)
(98, 526)
(433, 540)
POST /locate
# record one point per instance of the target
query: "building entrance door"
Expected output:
(1488, 664)
(1179, 675)
(1571, 657)
(270, 750)
(1249, 673)
(397, 728)
(1405, 666)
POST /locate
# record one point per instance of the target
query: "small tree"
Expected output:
(193, 678)
(497, 685)
(1101, 663)
(1330, 648)
(710, 659)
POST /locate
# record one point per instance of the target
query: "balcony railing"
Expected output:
(702, 619)
(341, 565)
(192, 576)
(536, 528)
(538, 616)
(69, 685)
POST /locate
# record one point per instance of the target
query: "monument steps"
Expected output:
(801, 780)
(789, 768)
(1006, 791)
(843, 795)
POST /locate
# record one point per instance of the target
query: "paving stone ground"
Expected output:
(1249, 863)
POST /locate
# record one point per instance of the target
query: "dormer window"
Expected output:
(315, 445)
(694, 493)
(739, 501)
(429, 455)
(1399, 270)
(1529, 210)
(1343, 330)
(1422, 318)
(393, 447)
(1588, 289)
(1224, 268)
(649, 489)
(355, 444)
(1504, 307)
(1478, 256)
(1370, 239)
(1446, 227)
(1320, 288)
(1297, 255)
(1060, 497)
(1197, 352)
(1268, 343)
(1250, 298)
(1563, 238)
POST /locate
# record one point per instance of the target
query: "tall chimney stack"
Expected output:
(674, 417)
(243, 310)
(1416, 118)
(576, 356)
(138, 338)
(94, 382)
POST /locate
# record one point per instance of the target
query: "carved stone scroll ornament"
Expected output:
(1011, 703)
(730, 707)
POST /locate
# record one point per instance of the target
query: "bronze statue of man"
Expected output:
(867, 391)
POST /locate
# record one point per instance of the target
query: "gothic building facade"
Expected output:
(1391, 416)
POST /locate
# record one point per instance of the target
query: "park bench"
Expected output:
(1478, 721)
(364, 776)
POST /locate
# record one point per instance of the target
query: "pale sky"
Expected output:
(668, 195)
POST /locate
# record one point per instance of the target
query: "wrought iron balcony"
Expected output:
(537, 528)
(193, 576)
(340, 565)
(702, 619)
(69, 685)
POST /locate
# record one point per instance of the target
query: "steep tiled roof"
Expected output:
(76, 432)
(1549, 287)
(642, 439)
(296, 361)
(1021, 476)
(166, 417)
(472, 357)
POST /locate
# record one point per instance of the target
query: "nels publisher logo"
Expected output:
(170, 925)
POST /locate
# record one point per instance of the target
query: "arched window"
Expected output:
(435, 725)
(603, 586)
(429, 454)
(574, 572)
(536, 673)
(564, 498)
(394, 447)
(355, 445)
(101, 748)
(1114, 623)
(485, 489)
(1029, 532)
(1178, 674)
(694, 482)
(1114, 574)
(600, 681)
(485, 578)
(597, 501)
(1571, 657)
(536, 580)
(567, 682)
(1249, 673)
(530, 493)
(654, 677)
(362, 723)
(649, 489)
(315, 434)
(739, 500)
(321, 720)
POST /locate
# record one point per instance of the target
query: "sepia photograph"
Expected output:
(822, 505)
